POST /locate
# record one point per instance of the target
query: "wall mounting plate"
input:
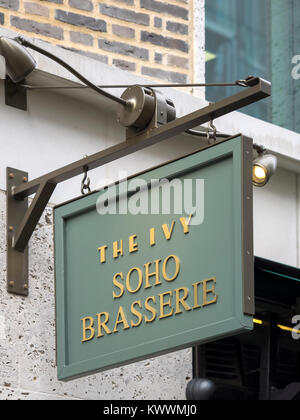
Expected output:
(15, 95)
(17, 262)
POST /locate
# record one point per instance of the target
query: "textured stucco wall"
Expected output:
(199, 46)
(27, 341)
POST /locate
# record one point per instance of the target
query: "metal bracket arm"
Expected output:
(26, 219)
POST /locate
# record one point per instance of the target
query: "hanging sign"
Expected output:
(156, 263)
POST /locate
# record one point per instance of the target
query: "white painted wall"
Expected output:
(276, 209)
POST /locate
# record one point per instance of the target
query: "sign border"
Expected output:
(242, 152)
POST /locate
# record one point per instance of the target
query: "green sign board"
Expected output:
(156, 263)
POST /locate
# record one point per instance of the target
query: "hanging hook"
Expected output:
(212, 132)
(85, 184)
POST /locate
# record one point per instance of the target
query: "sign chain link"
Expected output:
(85, 183)
(212, 132)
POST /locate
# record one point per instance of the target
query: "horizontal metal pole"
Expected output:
(173, 85)
(250, 81)
(149, 138)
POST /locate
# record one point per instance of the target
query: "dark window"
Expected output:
(260, 38)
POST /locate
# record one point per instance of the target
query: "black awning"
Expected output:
(276, 282)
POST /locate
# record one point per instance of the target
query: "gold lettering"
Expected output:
(185, 224)
(152, 236)
(102, 324)
(163, 304)
(136, 313)
(121, 319)
(140, 276)
(167, 231)
(86, 328)
(196, 300)
(206, 291)
(177, 267)
(117, 249)
(102, 251)
(133, 246)
(181, 300)
(155, 273)
(119, 285)
(150, 309)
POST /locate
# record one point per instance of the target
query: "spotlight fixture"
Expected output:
(19, 63)
(264, 168)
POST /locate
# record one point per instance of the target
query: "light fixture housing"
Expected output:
(264, 168)
(19, 62)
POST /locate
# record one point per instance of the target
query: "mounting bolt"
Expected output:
(25, 286)
(11, 228)
(11, 175)
(24, 179)
(11, 284)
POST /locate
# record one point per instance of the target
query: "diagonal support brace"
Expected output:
(15, 95)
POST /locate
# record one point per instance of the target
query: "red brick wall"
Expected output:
(148, 37)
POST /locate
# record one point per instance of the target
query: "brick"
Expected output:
(36, 9)
(157, 22)
(180, 62)
(170, 76)
(1, 18)
(37, 27)
(171, 43)
(81, 20)
(124, 65)
(158, 58)
(125, 49)
(131, 2)
(169, 9)
(54, 1)
(82, 4)
(81, 38)
(125, 14)
(123, 31)
(94, 56)
(10, 4)
(178, 28)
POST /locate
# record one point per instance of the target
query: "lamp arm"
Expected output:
(58, 60)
